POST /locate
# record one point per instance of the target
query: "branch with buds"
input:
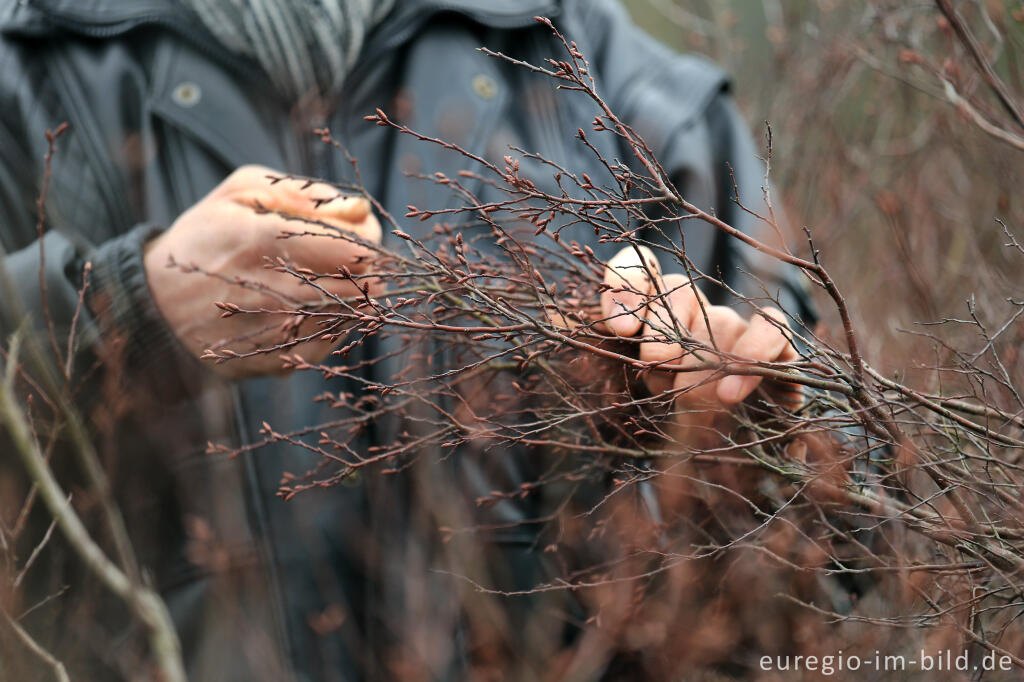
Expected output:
(499, 332)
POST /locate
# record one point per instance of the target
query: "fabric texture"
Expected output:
(304, 47)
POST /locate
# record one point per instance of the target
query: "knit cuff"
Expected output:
(136, 338)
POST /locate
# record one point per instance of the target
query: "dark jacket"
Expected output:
(159, 114)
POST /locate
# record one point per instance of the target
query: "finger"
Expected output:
(763, 341)
(788, 394)
(247, 177)
(630, 280)
(277, 191)
(725, 326)
(258, 185)
(321, 289)
(324, 202)
(325, 250)
(336, 218)
(329, 213)
(667, 316)
(349, 209)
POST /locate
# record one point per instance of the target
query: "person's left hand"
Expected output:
(665, 308)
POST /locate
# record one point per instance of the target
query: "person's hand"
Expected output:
(226, 238)
(632, 307)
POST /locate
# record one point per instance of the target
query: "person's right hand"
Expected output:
(225, 237)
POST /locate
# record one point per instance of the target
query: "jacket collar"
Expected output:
(100, 18)
(223, 133)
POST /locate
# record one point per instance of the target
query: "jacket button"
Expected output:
(484, 86)
(187, 94)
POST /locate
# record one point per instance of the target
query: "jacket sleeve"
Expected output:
(118, 324)
(680, 105)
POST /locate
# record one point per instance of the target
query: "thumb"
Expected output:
(628, 277)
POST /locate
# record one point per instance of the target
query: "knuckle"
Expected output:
(723, 315)
(774, 329)
(249, 173)
(678, 289)
(659, 315)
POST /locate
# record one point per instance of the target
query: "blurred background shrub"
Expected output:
(899, 188)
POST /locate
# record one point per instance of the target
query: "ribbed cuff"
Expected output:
(136, 337)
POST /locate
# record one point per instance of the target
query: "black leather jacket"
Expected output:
(158, 115)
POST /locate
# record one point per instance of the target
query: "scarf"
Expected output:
(303, 46)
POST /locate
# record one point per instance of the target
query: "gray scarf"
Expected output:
(304, 46)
